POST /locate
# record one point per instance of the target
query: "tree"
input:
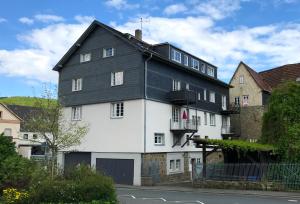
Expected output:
(49, 123)
(7, 147)
(281, 123)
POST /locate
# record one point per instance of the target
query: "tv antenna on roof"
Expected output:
(142, 20)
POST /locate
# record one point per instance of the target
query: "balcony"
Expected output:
(232, 109)
(228, 131)
(182, 97)
(183, 126)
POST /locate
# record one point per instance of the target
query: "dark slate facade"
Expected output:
(130, 57)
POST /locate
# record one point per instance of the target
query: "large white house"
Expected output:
(142, 102)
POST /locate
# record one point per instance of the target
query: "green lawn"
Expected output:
(20, 100)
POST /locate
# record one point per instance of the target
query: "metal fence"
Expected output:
(287, 175)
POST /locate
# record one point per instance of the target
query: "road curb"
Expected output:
(293, 195)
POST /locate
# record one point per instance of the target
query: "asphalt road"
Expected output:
(162, 196)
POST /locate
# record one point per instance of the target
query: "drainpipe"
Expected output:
(146, 97)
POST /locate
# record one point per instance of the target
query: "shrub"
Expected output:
(80, 185)
(12, 195)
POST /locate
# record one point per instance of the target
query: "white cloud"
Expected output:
(45, 46)
(217, 9)
(46, 18)
(174, 9)
(262, 47)
(84, 19)
(121, 4)
(2, 20)
(26, 20)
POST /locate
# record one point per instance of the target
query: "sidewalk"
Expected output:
(295, 195)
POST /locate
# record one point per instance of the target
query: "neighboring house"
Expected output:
(13, 124)
(141, 102)
(251, 91)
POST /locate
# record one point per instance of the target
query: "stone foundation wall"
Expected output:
(215, 157)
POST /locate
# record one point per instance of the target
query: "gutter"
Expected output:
(146, 97)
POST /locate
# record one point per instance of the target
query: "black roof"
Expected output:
(140, 45)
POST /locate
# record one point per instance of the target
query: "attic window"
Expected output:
(108, 52)
(85, 57)
(176, 56)
(241, 79)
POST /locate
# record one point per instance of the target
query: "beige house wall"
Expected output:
(249, 87)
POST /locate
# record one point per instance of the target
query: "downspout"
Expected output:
(146, 97)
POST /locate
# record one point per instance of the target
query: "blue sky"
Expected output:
(35, 34)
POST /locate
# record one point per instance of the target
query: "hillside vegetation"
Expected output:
(21, 100)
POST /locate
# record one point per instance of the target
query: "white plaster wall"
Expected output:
(158, 116)
(108, 134)
(175, 156)
(135, 156)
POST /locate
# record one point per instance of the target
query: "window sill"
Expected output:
(85, 62)
(175, 171)
(107, 56)
(76, 90)
(159, 144)
(75, 119)
(116, 85)
(116, 117)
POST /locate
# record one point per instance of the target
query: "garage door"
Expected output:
(72, 159)
(121, 170)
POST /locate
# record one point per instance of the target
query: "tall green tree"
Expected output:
(281, 123)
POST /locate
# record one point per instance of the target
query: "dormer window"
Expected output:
(176, 55)
(85, 57)
(203, 65)
(108, 52)
(210, 71)
(186, 60)
(195, 64)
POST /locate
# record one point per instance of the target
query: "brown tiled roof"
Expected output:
(258, 79)
(273, 77)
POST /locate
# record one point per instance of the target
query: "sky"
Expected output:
(35, 34)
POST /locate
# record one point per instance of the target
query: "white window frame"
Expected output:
(85, 57)
(245, 102)
(187, 86)
(117, 110)
(7, 130)
(172, 165)
(198, 120)
(159, 139)
(199, 96)
(224, 102)
(25, 136)
(177, 164)
(76, 113)
(175, 114)
(212, 97)
(210, 71)
(176, 85)
(108, 52)
(212, 119)
(241, 79)
(77, 84)
(186, 60)
(195, 63)
(175, 54)
(117, 78)
(203, 65)
(205, 94)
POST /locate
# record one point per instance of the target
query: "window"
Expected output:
(212, 119)
(252, 140)
(108, 52)
(198, 160)
(203, 65)
(76, 84)
(198, 120)
(205, 118)
(245, 100)
(76, 113)
(224, 103)
(7, 132)
(204, 94)
(172, 165)
(175, 114)
(178, 164)
(176, 56)
(0, 114)
(187, 86)
(237, 100)
(116, 78)
(195, 64)
(212, 97)
(117, 110)
(186, 60)
(159, 138)
(194, 120)
(210, 71)
(199, 96)
(176, 85)
(34, 136)
(241, 79)
(25, 136)
(85, 57)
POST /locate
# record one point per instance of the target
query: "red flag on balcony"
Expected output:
(184, 115)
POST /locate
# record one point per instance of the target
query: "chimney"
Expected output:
(138, 34)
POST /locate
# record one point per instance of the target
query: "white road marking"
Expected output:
(132, 196)
(294, 201)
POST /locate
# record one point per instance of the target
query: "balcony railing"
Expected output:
(184, 125)
(227, 129)
(182, 97)
(232, 108)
